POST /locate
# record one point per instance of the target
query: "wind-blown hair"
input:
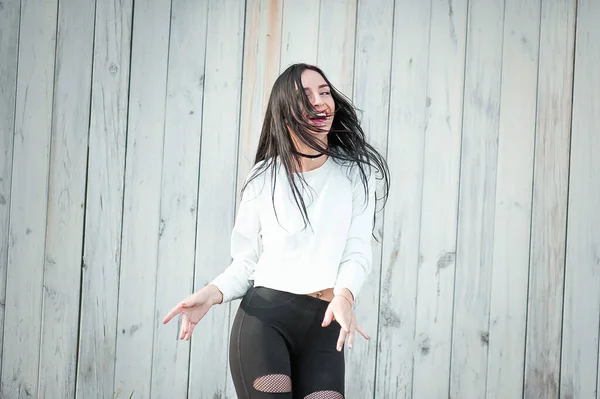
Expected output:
(289, 109)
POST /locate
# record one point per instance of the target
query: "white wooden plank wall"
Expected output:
(579, 370)
(127, 129)
(9, 51)
(66, 198)
(104, 200)
(514, 178)
(475, 240)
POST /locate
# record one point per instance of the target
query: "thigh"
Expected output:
(318, 370)
(258, 356)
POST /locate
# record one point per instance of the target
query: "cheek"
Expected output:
(331, 104)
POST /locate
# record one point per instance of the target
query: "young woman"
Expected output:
(301, 244)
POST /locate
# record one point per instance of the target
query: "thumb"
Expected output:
(328, 317)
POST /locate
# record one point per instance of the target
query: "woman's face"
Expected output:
(319, 96)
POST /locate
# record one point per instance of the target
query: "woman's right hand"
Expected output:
(194, 308)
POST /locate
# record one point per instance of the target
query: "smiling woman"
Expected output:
(302, 248)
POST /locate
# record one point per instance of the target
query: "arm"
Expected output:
(356, 262)
(235, 281)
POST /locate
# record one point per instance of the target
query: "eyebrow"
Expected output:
(320, 87)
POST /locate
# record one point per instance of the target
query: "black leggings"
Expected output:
(278, 348)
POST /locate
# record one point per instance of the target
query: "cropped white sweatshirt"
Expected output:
(271, 247)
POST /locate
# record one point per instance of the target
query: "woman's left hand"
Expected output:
(340, 310)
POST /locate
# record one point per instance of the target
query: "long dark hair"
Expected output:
(290, 109)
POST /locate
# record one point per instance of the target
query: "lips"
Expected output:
(321, 117)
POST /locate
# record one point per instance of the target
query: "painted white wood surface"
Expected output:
(104, 200)
(579, 365)
(299, 32)
(337, 34)
(136, 322)
(514, 179)
(549, 209)
(66, 198)
(179, 193)
(475, 239)
(29, 195)
(374, 31)
(217, 190)
(400, 256)
(261, 62)
(262, 49)
(405, 68)
(9, 51)
(437, 247)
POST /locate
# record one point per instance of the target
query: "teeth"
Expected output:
(321, 114)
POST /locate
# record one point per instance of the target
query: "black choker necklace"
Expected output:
(308, 156)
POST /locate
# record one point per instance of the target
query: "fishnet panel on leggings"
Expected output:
(325, 395)
(273, 383)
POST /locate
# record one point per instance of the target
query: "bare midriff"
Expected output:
(325, 295)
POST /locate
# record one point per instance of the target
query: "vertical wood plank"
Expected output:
(579, 367)
(66, 198)
(185, 86)
(141, 210)
(510, 264)
(262, 45)
(261, 69)
(374, 26)
(437, 248)
(104, 200)
(475, 239)
(217, 191)
(406, 140)
(25, 266)
(9, 52)
(337, 34)
(299, 32)
(551, 173)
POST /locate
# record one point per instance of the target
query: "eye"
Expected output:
(325, 93)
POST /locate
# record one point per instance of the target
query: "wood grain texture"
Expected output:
(477, 199)
(299, 33)
(437, 248)
(510, 264)
(9, 51)
(66, 199)
(136, 321)
(262, 50)
(217, 191)
(579, 366)
(549, 214)
(29, 198)
(262, 44)
(400, 257)
(177, 230)
(337, 33)
(104, 200)
(371, 94)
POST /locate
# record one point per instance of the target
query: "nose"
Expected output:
(316, 100)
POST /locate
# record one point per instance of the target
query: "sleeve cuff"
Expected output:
(351, 276)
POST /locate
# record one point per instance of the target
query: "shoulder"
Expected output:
(357, 173)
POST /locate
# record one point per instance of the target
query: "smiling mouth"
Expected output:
(321, 117)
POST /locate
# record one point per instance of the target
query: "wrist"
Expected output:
(214, 294)
(346, 293)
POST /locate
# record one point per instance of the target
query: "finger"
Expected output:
(174, 312)
(362, 332)
(192, 326)
(188, 335)
(184, 324)
(328, 317)
(341, 339)
(351, 338)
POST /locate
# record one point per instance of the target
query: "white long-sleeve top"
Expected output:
(272, 248)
